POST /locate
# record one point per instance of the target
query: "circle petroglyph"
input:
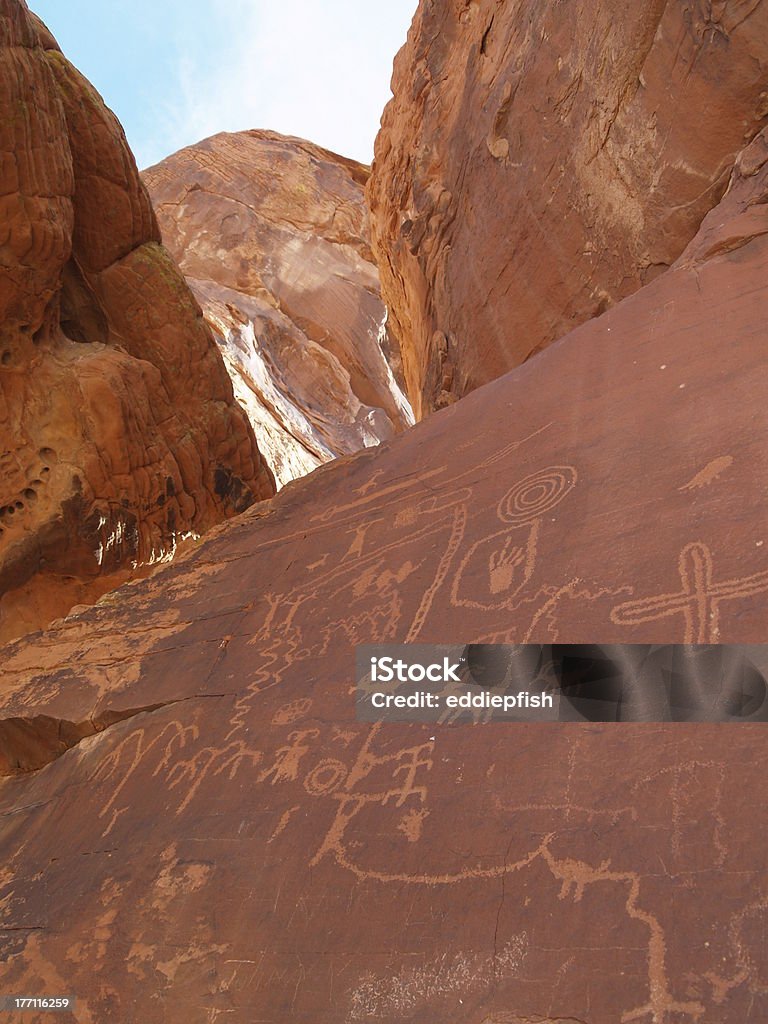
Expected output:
(536, 494)
(325, 777)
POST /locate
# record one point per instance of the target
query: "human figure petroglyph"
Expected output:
(184, 767)
(397, 780)
(401, 770)
(356, 547)
(209, 761)
(285, 767)
(133, 749)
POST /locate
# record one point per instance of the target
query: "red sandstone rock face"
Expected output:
(540, 161)
(273, 236)
(120, 434)
(248, 851)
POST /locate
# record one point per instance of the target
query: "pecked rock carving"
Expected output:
(410, 873)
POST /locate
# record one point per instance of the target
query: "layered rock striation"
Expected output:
(541, 161)
(272, 233)
(120, 433)
(183, 764)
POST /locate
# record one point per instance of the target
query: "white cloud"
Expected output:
(319, 69)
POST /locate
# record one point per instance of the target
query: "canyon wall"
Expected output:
(541, 161)
(120, 433)
(194, 825)
(273, 235)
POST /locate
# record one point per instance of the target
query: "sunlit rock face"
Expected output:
(272, 234)
(541, 161)
(120, 433)
(195, 827)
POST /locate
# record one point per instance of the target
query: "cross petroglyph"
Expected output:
(698, 600)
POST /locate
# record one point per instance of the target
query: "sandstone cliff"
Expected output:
(120, 434)
(273, 236)
(195, 827)
(540, 161)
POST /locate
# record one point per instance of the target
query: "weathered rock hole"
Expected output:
(6, 358)
(484, 40)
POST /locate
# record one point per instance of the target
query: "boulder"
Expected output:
(273, 235)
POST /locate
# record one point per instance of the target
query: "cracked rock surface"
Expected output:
(120, 435)
(250, 851)
(273, 235)
(541, 161)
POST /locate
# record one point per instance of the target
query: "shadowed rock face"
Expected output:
(273, 236)
(120, 433)
(541, 161)
(249, 851)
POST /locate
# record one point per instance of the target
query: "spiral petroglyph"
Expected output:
(536, 494)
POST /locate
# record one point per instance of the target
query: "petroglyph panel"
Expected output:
(247, 851)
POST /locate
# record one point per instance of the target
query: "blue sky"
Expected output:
(176, 71)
